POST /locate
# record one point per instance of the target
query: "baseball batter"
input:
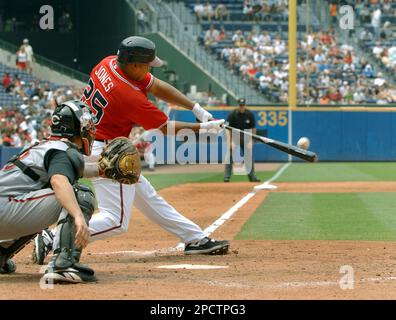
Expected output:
(117, 93)
(39, 187)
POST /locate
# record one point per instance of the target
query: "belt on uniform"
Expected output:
(103, 140)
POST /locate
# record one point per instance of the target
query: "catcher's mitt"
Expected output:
(120, 161)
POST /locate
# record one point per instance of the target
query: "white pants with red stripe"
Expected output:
(115, 203)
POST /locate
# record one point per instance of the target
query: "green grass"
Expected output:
(341, 171)
(160, 181)
(165, 180)
(323, 216)
(316, 216)
(297, 172)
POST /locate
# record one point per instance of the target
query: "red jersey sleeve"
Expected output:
(147, 115)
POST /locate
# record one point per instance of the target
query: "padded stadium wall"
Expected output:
(336, 134)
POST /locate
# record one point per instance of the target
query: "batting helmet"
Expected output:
(138, 50)
(74, 119)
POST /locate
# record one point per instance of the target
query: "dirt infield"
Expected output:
(127, 265)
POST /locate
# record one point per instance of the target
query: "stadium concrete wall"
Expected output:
(96, 33)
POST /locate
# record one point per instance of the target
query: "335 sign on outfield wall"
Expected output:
(272, 118)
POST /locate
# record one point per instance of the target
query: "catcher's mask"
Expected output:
(74, 119)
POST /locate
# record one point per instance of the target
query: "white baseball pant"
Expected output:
(115, 203)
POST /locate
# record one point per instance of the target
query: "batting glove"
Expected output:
(216, 125)
(201, 114)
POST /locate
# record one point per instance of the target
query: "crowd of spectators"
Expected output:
(339, 74)
(372, 11)
(386, 54)
(328, 73)
(265, 10)
(250, 10)
(205, 11)
(29, 121)
(380, 39)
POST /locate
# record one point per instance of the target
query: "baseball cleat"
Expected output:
(208, 246)
(8, 267)
(42, 245)
(68, 275)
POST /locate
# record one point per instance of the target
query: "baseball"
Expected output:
(303, 143)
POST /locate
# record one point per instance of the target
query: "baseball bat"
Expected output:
(288, 148)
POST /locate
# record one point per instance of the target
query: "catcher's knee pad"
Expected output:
(86, 199)
(66, 252)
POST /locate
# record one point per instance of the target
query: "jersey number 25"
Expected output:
(95, 99)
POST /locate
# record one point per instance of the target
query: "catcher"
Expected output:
(39, 187)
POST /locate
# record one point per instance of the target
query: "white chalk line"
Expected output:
(229, 213)
(146, 253)
(278, 173)
(208, 231)
(293, 284)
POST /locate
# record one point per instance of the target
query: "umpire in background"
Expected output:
(243, 119)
